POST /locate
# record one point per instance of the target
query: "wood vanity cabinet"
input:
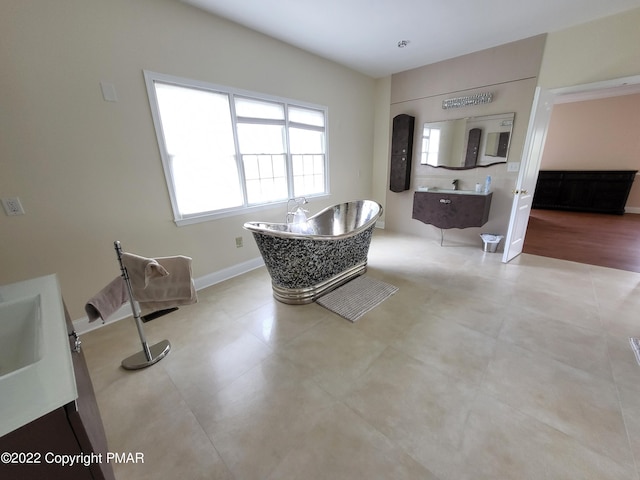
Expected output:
(75, 428)
(599, 191)
(451, 210)
(401, 152)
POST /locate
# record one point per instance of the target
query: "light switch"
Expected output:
(109, 92)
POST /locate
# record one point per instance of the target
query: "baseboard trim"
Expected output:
(631, 209)
(227, 273)
(82, 325)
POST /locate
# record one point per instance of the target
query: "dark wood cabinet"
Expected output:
(73, 429)
(401, 152)
(39, 442)
(451, 210)
(599, 191)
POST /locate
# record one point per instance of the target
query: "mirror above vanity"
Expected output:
(466, 143)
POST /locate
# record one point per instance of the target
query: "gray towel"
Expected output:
(104, 303)
(161, 283)
(142, 270)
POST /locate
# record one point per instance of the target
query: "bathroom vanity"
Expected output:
(47, 403)
(446, 208)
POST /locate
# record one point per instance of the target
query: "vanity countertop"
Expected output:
(450, 190)
(46, 381)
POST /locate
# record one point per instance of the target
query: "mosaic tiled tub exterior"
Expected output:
(306, 261)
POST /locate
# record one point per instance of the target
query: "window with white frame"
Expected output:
(225, 150)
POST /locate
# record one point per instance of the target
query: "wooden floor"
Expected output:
(592, 238)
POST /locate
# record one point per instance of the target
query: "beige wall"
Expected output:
(510, 72)
(596, 51)
(597, 134)
(88, 172)
(381, 144)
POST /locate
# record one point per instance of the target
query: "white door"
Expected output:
(529, 166)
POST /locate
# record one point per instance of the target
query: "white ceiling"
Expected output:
(364, 34)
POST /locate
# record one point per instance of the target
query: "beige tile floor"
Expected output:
(473, 370)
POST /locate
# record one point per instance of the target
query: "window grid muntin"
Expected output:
(267, 174)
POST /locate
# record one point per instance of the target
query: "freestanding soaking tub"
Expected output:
(306, 260)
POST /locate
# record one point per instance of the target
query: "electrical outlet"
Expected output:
(12, 206)
(238, 242)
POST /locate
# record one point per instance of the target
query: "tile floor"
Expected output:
(473, 370)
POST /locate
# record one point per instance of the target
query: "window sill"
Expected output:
(207, 217)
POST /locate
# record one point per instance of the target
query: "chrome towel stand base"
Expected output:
(149, 354)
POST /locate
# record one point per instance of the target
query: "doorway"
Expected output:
(534, 147)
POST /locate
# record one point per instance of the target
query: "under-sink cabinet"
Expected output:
(451, 210)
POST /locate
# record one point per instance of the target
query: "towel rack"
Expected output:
(149, 354)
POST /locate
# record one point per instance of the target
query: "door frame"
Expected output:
(575, 93)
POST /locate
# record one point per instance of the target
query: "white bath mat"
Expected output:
(635, 346)
(355, 298)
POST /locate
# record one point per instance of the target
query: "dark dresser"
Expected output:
(600, 191)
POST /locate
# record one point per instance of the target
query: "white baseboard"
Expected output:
(227, 273)
(82, 325)
(631, 209)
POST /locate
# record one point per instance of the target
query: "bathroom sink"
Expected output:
(20, 334)
(36, 368)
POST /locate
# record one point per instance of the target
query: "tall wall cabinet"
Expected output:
(401, 152)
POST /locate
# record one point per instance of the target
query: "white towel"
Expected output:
(104, 303)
